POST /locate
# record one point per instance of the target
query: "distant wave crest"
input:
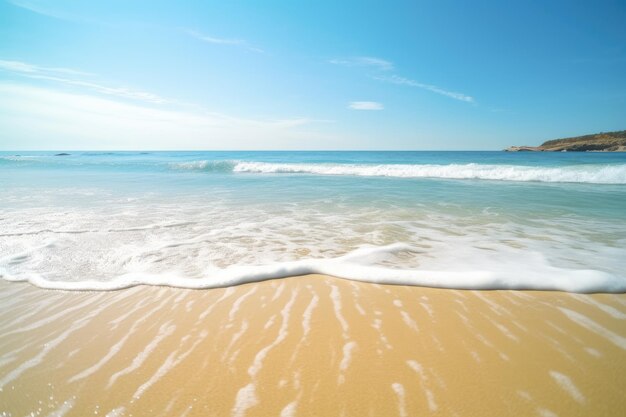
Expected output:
(209, 166)
(582, 173)
(591, 174)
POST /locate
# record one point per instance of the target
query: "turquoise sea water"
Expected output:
(104, 220)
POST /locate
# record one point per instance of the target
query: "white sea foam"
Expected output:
(235, 338)
(170, 363)
(409, 321)
(114, 350)
(544, 412)
(306, 316)
(568, 386)
(336, 298)
(205, 165)
(257, 364)
(430, 397)
(237, 304)
(595, 174)
(539, 277)
(48, 346)
(399, 390)
(117, 412)
(505, 331)
(586, 322)
(246, 398)
(229, 291)
(345, 360)
(25, 318)
(63, 409)
(205, 244)
(289, 410)
(611, 311)
(164, 331)
(378, 325)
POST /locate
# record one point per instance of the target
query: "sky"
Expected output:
(229, 75)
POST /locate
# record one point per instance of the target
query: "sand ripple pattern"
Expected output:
(312, 345)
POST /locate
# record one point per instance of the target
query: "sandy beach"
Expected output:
(312, 345)
(312, 209)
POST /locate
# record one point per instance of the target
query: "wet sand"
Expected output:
(311, 346)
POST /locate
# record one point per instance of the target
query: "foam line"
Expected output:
(593, 174)
(590, 173)
(545, 278)
(613, 173)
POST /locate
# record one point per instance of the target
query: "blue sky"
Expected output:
(308, 75)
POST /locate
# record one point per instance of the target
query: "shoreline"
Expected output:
(314, 345)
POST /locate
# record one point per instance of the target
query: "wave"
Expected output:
(583, 173)
(591, 174)
(594, 174)
(353, 266)
(16, 158)
(209, 166)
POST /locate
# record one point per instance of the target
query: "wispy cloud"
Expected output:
(396, 79)
(112, 91)
(223, 41)
(382, 69)
(364, 61)
(69, 120)
(23, 67)
(71, 77)
(92, 115)
(365, 105)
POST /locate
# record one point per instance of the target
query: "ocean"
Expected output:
(463, 220)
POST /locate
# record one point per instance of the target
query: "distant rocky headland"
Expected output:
(599, 142)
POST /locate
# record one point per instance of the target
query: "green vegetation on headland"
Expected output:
(599, 142)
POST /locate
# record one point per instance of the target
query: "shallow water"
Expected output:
(108, 220)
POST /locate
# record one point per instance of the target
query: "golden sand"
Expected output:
(311, 346)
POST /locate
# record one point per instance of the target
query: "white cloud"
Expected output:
(61, 76)
(112, 91)
(365, 105)
(43, 118)
(396, 79)
(223, 41)
(364, 61)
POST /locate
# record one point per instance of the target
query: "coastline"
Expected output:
(598, 142)
(542, 149)
(311, 345)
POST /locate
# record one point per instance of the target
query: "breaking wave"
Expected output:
(590, 174)
(209, 166)
(614, 173)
